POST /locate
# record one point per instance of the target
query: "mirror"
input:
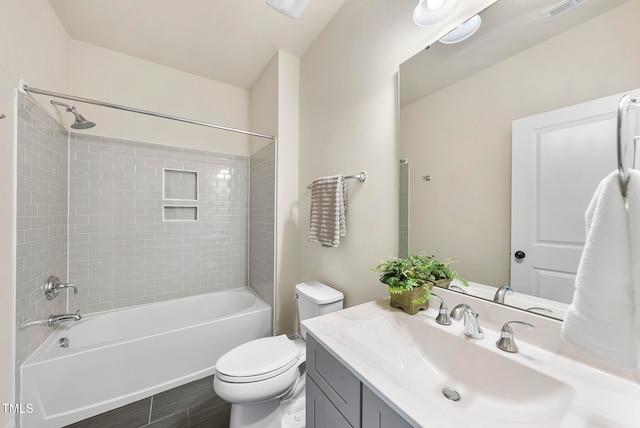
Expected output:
(457, 106)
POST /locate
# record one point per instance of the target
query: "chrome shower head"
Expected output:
(80, 122)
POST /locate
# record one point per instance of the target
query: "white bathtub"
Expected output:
(120, 356)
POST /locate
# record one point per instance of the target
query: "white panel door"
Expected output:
(558, 159)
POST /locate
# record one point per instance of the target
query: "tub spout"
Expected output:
(56, 319)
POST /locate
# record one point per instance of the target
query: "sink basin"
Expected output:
(438, 364)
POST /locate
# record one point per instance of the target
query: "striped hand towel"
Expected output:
(328, 209)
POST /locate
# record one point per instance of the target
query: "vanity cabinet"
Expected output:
(336, 398)
(321, 413)
(377, 414)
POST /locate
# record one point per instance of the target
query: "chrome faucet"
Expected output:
(443, 312)
(55, 319)
(506, 342)
(499, 296)
(471, 327)
(53, 287)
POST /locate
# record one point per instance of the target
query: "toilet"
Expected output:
(264, 379)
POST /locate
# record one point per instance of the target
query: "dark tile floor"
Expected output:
(194, 405)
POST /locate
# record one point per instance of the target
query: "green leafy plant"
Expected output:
(415, 271)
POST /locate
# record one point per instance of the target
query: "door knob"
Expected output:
(520, 255)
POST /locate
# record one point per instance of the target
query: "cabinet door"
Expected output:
(321, 413)
(335, 380)
(377, 414)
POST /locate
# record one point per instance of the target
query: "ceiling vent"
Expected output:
(561, 8)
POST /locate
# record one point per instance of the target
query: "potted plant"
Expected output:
(409, 279)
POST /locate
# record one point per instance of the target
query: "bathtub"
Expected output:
(117, 357)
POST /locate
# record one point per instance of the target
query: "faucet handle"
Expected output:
(53, 286)
(69, 285)
(506, 341)
(443, 313)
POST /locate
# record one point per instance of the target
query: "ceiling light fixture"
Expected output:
(292, 8)
(431, 12)
(463, 32)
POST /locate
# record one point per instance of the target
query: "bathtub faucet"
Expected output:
(53, 287)
(55, 319)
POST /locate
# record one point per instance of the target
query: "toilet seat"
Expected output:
(258, 360)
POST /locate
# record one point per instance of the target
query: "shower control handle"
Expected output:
(53, 286)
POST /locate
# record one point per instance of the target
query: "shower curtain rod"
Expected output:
(23, 87)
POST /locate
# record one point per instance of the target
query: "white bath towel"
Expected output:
(328, 210)
(633, 207)
(603, 319)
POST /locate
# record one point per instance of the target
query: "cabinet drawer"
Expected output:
(377, 414)
(340, 386)
(321, 413)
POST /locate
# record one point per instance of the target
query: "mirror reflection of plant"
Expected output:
(415, 271)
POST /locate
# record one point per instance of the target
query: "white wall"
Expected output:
(466, 147)
(287, 249)
(348, 122)
(274, 111)
(105, 75)
(34, 46)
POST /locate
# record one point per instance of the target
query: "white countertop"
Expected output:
(601, 398)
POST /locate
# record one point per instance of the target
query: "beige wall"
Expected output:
(461, 136)
(348, 122)
(34, 47)
(274, 111)
(110, 76)
(287, 192)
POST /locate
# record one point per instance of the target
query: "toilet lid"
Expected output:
(258, 359)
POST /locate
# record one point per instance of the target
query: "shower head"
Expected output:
(80, 122)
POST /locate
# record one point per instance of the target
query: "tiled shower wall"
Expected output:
(41, 250)
(90, 210)
(261, 222)
(121, 251)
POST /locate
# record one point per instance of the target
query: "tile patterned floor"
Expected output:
(194, 405)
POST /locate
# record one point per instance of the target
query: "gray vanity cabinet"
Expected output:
(321, 413)
(333, 379)
(377, 414)
(336, 398)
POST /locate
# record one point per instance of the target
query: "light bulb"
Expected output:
(431, 12)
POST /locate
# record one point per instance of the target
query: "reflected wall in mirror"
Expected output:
(403, 209)
(458, 103)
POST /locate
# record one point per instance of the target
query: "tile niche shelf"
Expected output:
(180, 190)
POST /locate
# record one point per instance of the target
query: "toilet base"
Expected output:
(270, 414)
(256, 415)
(294, 413)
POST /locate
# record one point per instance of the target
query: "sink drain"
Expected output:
(451, 394)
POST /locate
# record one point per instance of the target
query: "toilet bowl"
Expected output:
(264, 379)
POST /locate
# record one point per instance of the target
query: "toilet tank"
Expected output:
(315, 299)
